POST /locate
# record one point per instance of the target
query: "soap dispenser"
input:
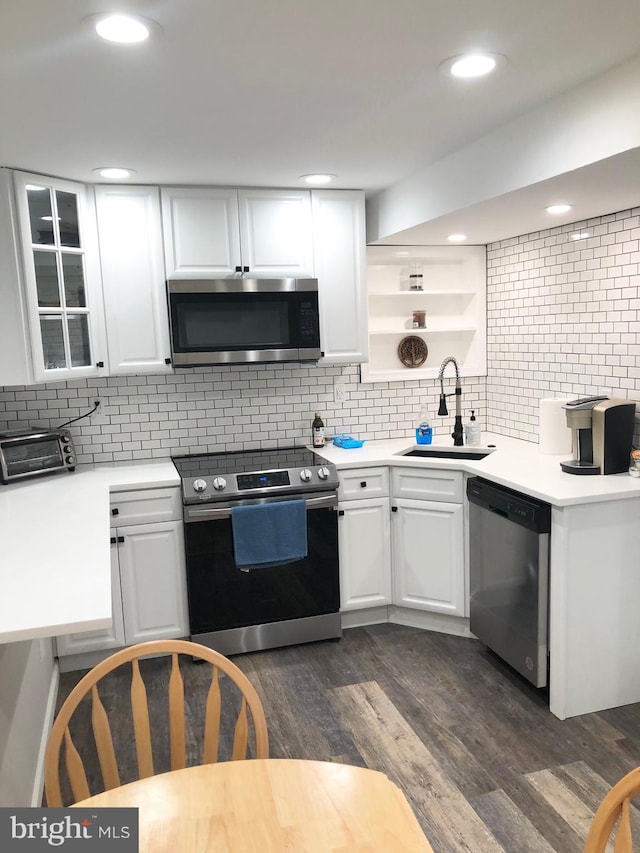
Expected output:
(472, 430)
(424, 430)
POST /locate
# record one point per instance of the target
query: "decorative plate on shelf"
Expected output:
(412, 351)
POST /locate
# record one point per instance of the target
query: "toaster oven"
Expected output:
(32, 452)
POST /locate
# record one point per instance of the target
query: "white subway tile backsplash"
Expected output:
(581, 305)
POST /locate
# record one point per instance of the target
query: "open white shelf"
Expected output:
(453, 297)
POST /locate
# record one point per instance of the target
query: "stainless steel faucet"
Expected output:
(442, 409)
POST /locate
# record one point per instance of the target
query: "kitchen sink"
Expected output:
(447, 452)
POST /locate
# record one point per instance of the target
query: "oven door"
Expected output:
(223, 598)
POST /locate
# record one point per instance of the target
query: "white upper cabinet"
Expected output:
(201, 232)
(212, 232)
(447, 284)
(130, 235)
(15, 351)
(340, 263)
(276, 239)
(57, 241)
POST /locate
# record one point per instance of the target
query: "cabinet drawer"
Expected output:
(363, 483)
(145, 506)
(431, 485)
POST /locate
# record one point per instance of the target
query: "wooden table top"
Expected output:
(270, 805)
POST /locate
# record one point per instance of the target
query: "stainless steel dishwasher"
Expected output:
(509, 539)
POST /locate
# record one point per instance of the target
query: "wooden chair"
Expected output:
(616, 805)
(75, 767)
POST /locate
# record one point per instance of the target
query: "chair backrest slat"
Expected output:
(614, 816)
(104, 742)
(212, 720)
(241, 733)
(624, 842)
(142, 732)
(60, 733)
(75, 768)
(176, 716)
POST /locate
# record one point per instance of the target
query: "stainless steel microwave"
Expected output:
(243, 321)
(31, 452)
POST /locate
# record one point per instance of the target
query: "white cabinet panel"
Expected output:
(201, 232)
(356, 483)
(152, 572)
(275, 232)
(365, 554)
(432, 484)
(340, 264)
(130, 234)
(428, 555)
(15, 350)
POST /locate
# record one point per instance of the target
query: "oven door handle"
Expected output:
(212, 512)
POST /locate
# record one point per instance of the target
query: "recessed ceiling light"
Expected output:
(114, 172)
(556, 209)
(457, 238)
(472, 64)
(317, 178)
(123, 29)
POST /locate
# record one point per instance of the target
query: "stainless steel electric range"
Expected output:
(278, 602)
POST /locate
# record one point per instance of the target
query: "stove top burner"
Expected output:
(253, 473)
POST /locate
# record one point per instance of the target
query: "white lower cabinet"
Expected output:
(405, 550)
(428, 540)
(428, 556)
(148, 576)
(364, 533)
(365, 553)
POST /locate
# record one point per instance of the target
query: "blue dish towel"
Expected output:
(269, 534)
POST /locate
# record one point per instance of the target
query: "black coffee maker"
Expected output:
(601, 435)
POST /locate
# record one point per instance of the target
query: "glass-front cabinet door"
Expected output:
(61, 267)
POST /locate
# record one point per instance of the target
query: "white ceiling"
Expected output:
(259, 92)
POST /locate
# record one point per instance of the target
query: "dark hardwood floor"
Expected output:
(484, 764)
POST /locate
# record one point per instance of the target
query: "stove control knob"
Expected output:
(323, 473)
(219, 483)
(199, 485)
(305, 475)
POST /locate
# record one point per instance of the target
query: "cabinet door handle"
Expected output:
(394, 509)
(167, 361)
(115, 511)
(99, 363)
(238, 269)
(120, 538)
(363, 484)
(113, 540)
(340, 512)
(245, 269)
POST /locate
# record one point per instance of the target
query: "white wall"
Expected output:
(28, 685)
(593, 121)
(563, 318)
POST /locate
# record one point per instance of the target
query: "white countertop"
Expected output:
(55, 570)
(516, 464)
